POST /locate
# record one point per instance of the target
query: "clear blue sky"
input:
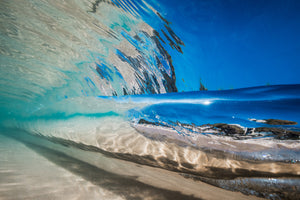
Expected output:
(235, 43)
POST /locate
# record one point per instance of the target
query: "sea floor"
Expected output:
(30, 171)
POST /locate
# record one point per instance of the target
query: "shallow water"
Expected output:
(143, 130)
(90, 103)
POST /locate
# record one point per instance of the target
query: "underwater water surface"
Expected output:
(149, 99)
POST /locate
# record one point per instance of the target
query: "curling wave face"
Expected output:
(65, 66)
(51, 50)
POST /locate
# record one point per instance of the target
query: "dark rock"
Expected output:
(229, 129)
(279, 132)
(202, 87)
(279, 122)
(143, 121)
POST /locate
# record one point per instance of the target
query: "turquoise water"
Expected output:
(89, 92)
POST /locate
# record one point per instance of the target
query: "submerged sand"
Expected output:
(33, 172)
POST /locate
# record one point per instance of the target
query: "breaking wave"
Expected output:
(94, 80)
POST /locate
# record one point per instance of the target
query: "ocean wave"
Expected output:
(92, 83)
(227, 152)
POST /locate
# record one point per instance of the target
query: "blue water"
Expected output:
(185, 87)
(233, 106)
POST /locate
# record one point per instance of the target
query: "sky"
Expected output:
(233, 44)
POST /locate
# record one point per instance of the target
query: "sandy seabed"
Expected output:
(30, 171)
